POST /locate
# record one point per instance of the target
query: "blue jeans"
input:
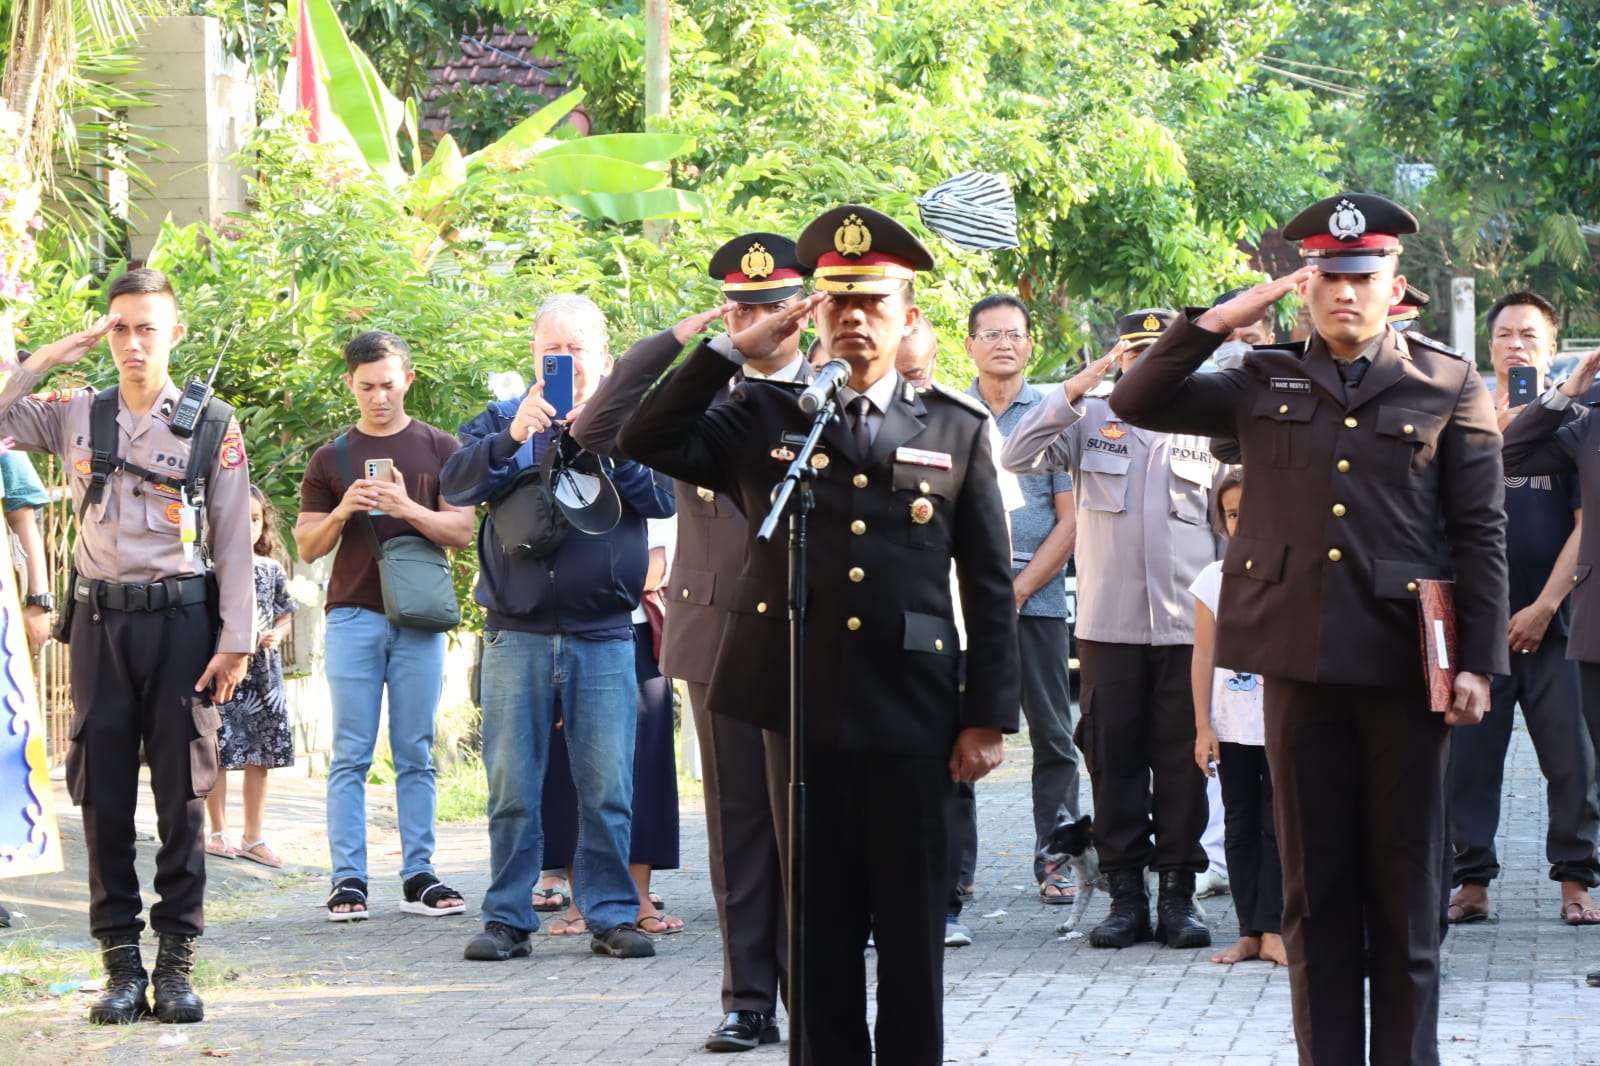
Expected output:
(365, 653)
(526, 678)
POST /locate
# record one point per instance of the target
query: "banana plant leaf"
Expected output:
(370, 113)
(662, 203)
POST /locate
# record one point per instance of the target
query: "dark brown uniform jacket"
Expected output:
(1346, 502)
(1538, 443)
(882, 654)
(711, 530)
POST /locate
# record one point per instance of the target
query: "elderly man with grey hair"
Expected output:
(558, 636)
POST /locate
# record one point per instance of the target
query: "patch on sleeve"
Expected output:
(57, 395)
(232, 447)
(84, 467)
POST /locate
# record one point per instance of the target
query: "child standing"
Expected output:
(1230, 740)
(255, 723)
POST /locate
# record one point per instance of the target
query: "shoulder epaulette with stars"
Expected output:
(977, 407)
(1428, 342)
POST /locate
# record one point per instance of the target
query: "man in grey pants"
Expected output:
(999, 344)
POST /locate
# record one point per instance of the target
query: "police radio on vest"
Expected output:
(197, 393)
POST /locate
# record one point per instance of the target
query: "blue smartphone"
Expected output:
(558, 383)
(1523, 384)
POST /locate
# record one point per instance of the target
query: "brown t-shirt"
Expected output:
(419, 452)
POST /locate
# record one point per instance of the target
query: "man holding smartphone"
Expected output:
(366, 653)
(1543, 520)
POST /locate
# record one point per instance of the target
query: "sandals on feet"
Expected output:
(259, 851)
(428, 896)
(567, 927)
(351, 891)
(1064, 891)
(217, 844)
(664, 925)
(1465, 910)
(558, 897)
(1573, 912)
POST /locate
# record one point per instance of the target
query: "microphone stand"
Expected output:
(799, 475)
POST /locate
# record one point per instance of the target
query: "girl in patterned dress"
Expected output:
(255, 723)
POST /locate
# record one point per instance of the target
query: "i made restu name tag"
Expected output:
(918, 457)
(1291, 384)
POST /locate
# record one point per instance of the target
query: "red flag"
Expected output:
(312, 96)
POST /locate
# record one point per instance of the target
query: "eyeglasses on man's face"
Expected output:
(992, 336)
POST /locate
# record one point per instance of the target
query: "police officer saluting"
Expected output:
(148, 662)
(1373, 461)
(905, 483)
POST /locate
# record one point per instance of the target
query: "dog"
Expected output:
(1071, 844)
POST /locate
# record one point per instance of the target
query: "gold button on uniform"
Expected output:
(859, 481)
(1335, 554)
(685, 593)
(1338, 510)
(761, 608)
(858, 527)
(856, 573)
(1248, 563)
(1408, 428)
(922, 487)
(938, 645)
(852, 623)
(1343, 466)
(1283, 408)
(1411, 586)
(1350, 422)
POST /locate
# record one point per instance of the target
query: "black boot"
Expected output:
(1177, 922)
(175, 1000)
(1129, 920)
(124, 999)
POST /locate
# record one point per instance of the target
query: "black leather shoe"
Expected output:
(742, 1030)
(1178, 925)
(176, 1002)
(123, 1001)
(1129, 920)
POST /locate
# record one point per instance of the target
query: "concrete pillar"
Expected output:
(1464, 317)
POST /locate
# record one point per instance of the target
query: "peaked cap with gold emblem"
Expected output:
(1142, 327)
(856, 249)
(1352, 233)
(1410, 305)
(758, 268)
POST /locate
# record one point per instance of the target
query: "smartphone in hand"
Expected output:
(558, 385)
(380, 470)
(1522, 382)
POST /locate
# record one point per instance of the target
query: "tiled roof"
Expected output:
(509, 59)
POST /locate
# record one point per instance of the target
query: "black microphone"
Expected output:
(827, 382)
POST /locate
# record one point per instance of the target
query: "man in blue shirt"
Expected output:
(1542, 518)
(559, 637)
(999, 343)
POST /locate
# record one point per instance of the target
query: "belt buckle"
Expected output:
(136, 597)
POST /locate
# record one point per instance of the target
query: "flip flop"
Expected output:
(567, 927)
(1065, 892)
(666, 925)
(224, 851)
(248, 848)
(1466, 913)
(1573, 912)
(557, 897)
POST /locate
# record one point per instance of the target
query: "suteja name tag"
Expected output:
(918, 457)
(1291, 384)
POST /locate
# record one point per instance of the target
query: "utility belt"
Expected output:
(172, 593)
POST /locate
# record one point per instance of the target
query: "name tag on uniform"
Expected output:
(1291, 384)
(918, 457)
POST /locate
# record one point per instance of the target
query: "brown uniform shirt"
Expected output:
(131, 536)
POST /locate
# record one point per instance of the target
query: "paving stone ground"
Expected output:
(286, 986)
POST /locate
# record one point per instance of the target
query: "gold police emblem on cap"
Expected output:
(1347, 222)
(921, 510)
(1152, 323)
(757, 262)
(819, 461)
(852, 237)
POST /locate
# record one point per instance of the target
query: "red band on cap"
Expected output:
(828, 259)
(1327, 242)
(780, 274)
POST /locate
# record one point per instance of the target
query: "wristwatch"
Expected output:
(45, 600)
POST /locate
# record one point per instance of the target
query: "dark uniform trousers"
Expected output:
(1360, 773)
(133, 677)
(1545, 685)
(1250, 838)
(743, 856)
(1136, 730)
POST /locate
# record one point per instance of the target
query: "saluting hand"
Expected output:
(761, 340)
(694, 325)
(1583, 375)
(1252, 304)
(1471, 700)
(534, 415)
(1083, 382)
(978, 750)
(74, 346)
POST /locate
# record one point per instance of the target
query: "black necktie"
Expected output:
(1353, 372)
(862, 432)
